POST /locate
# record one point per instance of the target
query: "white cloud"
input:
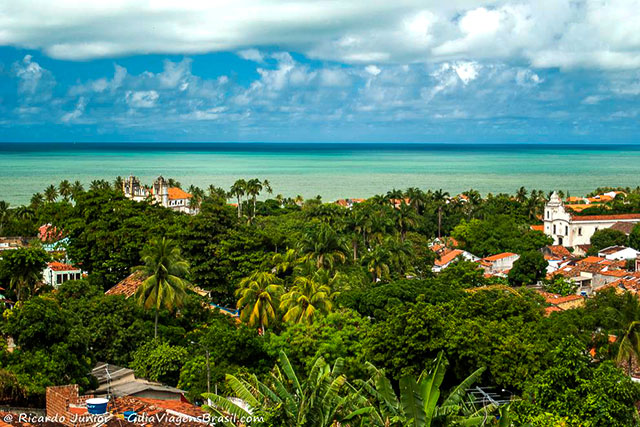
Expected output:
(545, 33)
(72, 116)
(251, 55)
(466, 71)
(373, 70)
(142, 99)
(35, 83)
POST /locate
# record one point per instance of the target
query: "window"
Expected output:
(566, 230)
(596, 229)
(547, 214)
(579, 231)
(554, 229)
(58, 279)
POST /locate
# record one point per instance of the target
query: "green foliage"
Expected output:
(585, 393)
(339, 335)
(500, 233)
(604, 238)
(22, 268)
(159, 361)
(528, 269)
(634, 237)
(558, 284)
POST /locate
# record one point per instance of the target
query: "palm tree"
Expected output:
(405, 219)
(258, 294)
(377, 262)
(323, 245)
(36, 200)
(51, 193)
(267, 186)
(99, 185)
(65, 189)
(118, 184)
(4, 214)
(254, 187)
(419, 403)
(305, 299)
(440, 197)
(25, 213)
(521, 195)
(323, 399)
(280, 199)
(417, 198)
(284, 263)
(76, 189)
(629, 346)
(164, 285)
(238, 190)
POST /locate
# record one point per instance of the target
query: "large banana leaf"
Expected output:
(241, 390)
(412, 403)
(430, 387)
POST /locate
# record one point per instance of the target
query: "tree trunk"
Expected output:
(355, 250)
(239, 206)
(155, 326)
(439, 222)
(254, 205)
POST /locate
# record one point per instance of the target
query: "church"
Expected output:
(570, 230)
(161, 193)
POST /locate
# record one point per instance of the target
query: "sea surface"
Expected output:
(330, 170)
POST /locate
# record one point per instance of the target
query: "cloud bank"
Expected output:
(542, 33)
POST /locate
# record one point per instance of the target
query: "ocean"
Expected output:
(331, 170)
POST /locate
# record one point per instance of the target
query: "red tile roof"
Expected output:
(58, 266)
(559, 251)
(128, 285)
(537, 227)
(631, 216)
(557, 298)
(176, 193)
(448, 257)
(498, 256)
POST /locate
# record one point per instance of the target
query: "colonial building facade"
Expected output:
(161, 193)
(571, 230)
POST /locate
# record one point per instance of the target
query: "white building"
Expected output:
(499, 263)
(620, 253)
(57, 273)
(447, 258)
(571, 230)
(160, 192)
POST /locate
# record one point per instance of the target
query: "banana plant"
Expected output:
(323, 399)
(419, 403)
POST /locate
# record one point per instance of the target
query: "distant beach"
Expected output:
(330, 170)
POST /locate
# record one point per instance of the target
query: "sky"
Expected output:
(320, 70)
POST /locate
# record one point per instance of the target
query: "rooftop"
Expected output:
(59, 266)
(496, 257)
(176, 193)
(448, 257)
(623, 217)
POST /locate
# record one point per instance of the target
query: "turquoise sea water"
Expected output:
(330, 170)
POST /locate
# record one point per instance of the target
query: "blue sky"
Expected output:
(249, 70)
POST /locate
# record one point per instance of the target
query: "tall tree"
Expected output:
(51, 193)
(306, 298)
(254, 187)
(257, 301)
(164, 285)
(238, 189)
(440, 198)
(23, 267)
(65, 189)
(325, 246)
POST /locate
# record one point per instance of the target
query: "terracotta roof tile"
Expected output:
(58, 266)
(448, 257)
(498, 256)
(176, 193)
(537, 227)
(127, 286)
(630, 216)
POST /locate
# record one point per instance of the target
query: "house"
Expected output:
(571, 230)
(558, 302)
(161, 193)
(449, 256)
(557, 257)
(11, 243)
(348, 203)
(592, 273)
(499, 263)
(117, 381)
(49, 233)
(56, 273)
(66, 407)
(618, 253)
